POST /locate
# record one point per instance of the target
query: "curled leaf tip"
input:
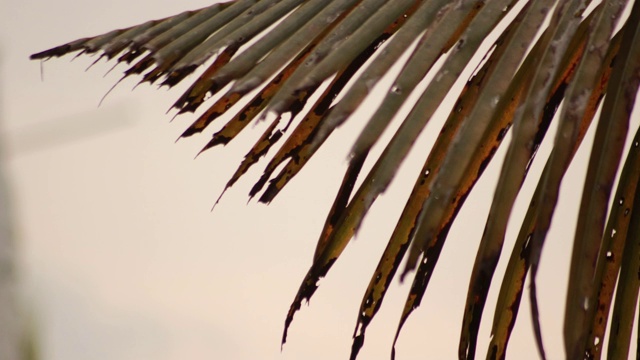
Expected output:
(535, 314)
(409, 267)
(93, 63)
(305, 292)
(109, 91)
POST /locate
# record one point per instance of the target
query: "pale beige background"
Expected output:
(120, 257)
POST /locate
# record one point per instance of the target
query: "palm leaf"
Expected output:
(292, 50)
(513, 281)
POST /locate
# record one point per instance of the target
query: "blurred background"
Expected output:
(117, 255)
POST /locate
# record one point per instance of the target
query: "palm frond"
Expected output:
(537, 63)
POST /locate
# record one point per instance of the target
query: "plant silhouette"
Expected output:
(545, 62)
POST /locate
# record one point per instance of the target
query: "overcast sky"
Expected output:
(120, 257)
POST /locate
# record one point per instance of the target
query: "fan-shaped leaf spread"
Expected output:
(287, 51)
